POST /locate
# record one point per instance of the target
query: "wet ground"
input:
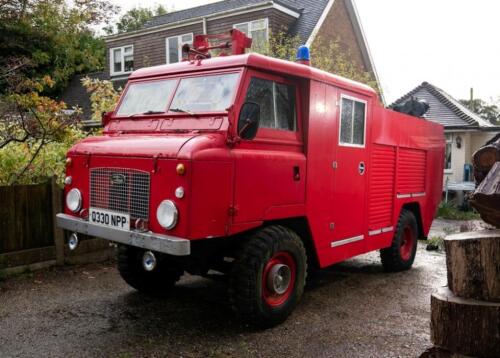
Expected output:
(352, 310)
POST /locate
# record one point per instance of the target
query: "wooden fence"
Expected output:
(29, 238)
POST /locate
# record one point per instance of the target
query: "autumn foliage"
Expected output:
(43, 44)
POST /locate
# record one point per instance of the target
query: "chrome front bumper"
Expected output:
(145, 240)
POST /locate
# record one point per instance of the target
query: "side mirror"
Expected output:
(248, 122)
(106, 117)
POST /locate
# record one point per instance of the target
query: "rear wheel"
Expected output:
(401, 254)
(159, 280)
(268, 277)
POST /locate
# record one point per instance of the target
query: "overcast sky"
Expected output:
(453, 44)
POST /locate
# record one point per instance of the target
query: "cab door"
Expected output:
(270, 169)
(350, 165)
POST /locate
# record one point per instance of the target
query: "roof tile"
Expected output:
(310, 11)
(444, 109)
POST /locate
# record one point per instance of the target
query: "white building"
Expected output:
(465, 131)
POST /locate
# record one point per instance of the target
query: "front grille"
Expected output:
(121, 190)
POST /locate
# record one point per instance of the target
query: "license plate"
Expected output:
(109, 218)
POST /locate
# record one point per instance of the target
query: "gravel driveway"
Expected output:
(353, 309)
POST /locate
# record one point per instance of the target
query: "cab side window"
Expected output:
(276, 101)
(352, 122)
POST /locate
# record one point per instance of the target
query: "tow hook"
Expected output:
(73, 241)
(149, 261)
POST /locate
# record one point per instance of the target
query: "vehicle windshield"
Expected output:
(205, 94)
(194, 94)
(146, 97)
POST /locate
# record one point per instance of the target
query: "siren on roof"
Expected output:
(413, 106)
(303, 55)
(233, 42)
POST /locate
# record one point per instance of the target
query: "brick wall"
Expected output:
(150, 49)
(338, 26)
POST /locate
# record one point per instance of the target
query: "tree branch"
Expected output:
(18, 176)
(16, 140)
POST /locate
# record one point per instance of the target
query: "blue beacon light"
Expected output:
(303, 55)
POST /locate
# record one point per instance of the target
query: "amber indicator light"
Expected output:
(181, 169)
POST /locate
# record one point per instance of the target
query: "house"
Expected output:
(76, 95)
(465, 131)
(160, 40)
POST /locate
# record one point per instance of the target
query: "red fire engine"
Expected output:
(258, 168)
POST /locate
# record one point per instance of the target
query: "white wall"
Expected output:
(471, 141)
(479, 139)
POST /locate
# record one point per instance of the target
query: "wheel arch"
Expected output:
(300, 226)
(414, 208)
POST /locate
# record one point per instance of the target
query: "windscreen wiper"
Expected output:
(180, 110)
(147, 113)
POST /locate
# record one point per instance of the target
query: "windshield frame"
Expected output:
(178, 78)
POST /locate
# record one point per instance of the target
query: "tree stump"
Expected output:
(473, 264)
(465, 326)
(436, 352)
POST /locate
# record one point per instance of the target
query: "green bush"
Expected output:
(49, 162)
(35, 133)
(448, 210)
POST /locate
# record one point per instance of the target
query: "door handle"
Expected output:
(296, 173)
(361, 168)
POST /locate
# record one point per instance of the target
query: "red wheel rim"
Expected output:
(407, 243)
(278, 279)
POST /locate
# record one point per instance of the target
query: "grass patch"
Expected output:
(435, 243)
(450, 211)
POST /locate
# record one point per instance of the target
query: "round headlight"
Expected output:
(167, 214)
(74, 200)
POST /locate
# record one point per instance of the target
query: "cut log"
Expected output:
(436, 352)
(486, 156)
(465, 326)
(479, 175)
(473, 264)
(486, 198)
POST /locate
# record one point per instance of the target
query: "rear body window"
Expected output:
(352, 122)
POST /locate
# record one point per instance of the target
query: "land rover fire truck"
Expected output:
(255, 167)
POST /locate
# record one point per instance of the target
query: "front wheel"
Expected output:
(268, 278)
(401, 254)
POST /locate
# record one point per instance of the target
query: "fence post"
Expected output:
(58, 233)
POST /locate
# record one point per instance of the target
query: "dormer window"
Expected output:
(121, 60)
(257, 30)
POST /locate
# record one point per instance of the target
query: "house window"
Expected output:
(257, 30)
(276, 101)
(352, 122)
(174, 46)
(121, 60)
(447, 152)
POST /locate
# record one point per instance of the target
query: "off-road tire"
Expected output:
(392, 259)
(246, 278)
(156, 282)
